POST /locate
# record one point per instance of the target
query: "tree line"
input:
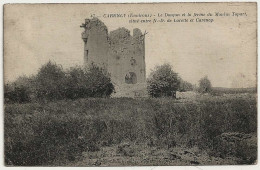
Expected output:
(163, 81)
(52, 83)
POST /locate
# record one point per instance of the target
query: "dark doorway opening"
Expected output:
(130, 78)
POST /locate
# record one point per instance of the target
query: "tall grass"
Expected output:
(60, 131)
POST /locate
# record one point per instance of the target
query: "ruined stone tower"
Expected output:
(121, 54)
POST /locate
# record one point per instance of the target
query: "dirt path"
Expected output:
(149, 156)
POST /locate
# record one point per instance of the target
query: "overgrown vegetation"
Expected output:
(58, 132)
(205, 85)
(78, 117)
(163, 81)
(185, 86)
(52, 83)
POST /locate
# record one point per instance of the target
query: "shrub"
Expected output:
(19, 91)
(76, 83)
(99, 82)
(204, 85)
(19, 94)
(92, 82)
(49, 82)
(185, 86)
(53, 83)
(163, 81)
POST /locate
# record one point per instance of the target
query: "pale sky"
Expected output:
(224, 50)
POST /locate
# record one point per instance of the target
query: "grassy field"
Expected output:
(223, 90)
(124, 131)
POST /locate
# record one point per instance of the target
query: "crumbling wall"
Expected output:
(121, 53)
(96, 42)
(126, 55)
(139, 53)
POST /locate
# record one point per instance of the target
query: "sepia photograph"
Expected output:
(134, 84)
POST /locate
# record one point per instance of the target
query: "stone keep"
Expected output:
(119, 52)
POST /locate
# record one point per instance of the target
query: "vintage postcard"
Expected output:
(145, 84)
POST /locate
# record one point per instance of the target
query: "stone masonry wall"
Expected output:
(122, 54)
(96, 44)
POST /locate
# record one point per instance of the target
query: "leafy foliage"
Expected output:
(52, 83)
(100, 84)
(204, 85)
(94, 82)
(185, 86)
(163, 81)
(17, 94)
(19, 91)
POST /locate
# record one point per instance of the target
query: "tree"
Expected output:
(50, 82)
(163, 81)
(100, 84)
(185, 86)
(76, 83)
(16, 94)
(19, 91)
(91, 82)
(205, 85)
